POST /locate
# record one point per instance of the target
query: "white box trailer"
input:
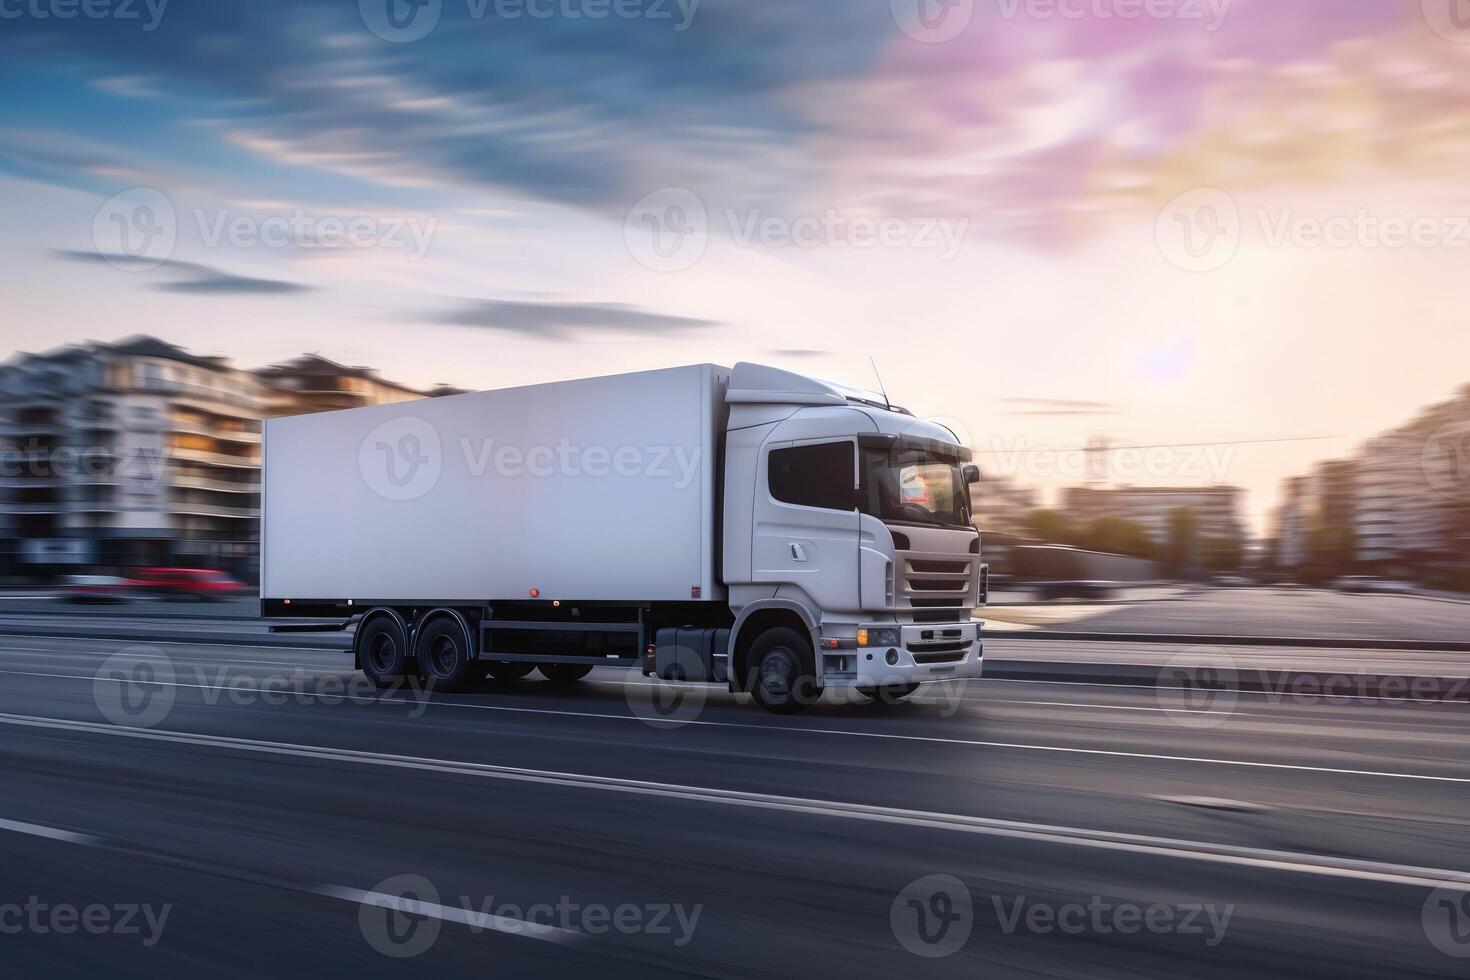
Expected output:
(596, 490)
(753, 526)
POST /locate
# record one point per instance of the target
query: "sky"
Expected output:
(1234, 229)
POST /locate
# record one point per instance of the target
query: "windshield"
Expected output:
(909, 486)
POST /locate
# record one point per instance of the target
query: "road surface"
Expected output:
(275, 819)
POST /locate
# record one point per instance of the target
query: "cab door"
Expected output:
(806, 520)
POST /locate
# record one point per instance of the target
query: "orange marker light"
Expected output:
(535, 593)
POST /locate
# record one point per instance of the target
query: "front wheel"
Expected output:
(782, 678)
(560, 674)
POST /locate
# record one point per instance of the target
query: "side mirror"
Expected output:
(972, 474)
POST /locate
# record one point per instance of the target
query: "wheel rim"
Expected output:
(443, 655)
(382, 653)
(778, 673)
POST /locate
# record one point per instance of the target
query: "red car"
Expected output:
(184, 583)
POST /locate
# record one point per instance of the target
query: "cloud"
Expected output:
(1059, 404)
(198, 278)
(568, 321)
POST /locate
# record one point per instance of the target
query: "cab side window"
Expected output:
(814, 476)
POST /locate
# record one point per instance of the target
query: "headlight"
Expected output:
(880, 636)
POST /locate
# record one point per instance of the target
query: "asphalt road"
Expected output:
(1079, 830)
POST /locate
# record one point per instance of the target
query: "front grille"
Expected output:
(942, 567)
(925, 659)
(934, 588)
(944, 647)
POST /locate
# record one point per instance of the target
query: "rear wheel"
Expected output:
(564, 673)
(384, 651)
(444, 655)
(781, 677)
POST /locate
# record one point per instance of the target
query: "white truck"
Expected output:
(750, 526)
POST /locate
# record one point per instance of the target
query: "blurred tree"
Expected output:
(1180, 550)
(1222, 556)
(1051, 527)
(1330, 552)
(1118, 536)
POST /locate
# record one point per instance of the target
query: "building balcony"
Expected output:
(190, 508)
(195, 482)
(215, 459)
(214, 432)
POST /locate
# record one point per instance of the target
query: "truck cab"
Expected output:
(847, 520)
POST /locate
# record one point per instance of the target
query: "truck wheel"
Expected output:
(560, 674)
(781, 676)
(506, 671)
(444, 658)
(384, 651)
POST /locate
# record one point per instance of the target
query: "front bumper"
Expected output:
(925, 652)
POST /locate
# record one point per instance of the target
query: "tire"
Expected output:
(506, 672)
(444, 656)
(889, 693)
(781, 676)
(561, 674)
(384, 651)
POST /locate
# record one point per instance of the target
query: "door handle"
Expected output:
(798, 553)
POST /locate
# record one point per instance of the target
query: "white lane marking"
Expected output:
(50, 833)
(1231, 854)
(932, 739)
(467, 917)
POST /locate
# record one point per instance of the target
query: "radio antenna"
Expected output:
(882, 390)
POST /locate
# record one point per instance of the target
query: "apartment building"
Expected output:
(1216, 509)
(312, 383)
(1405, 493)
(132, 453)
(141, 453)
